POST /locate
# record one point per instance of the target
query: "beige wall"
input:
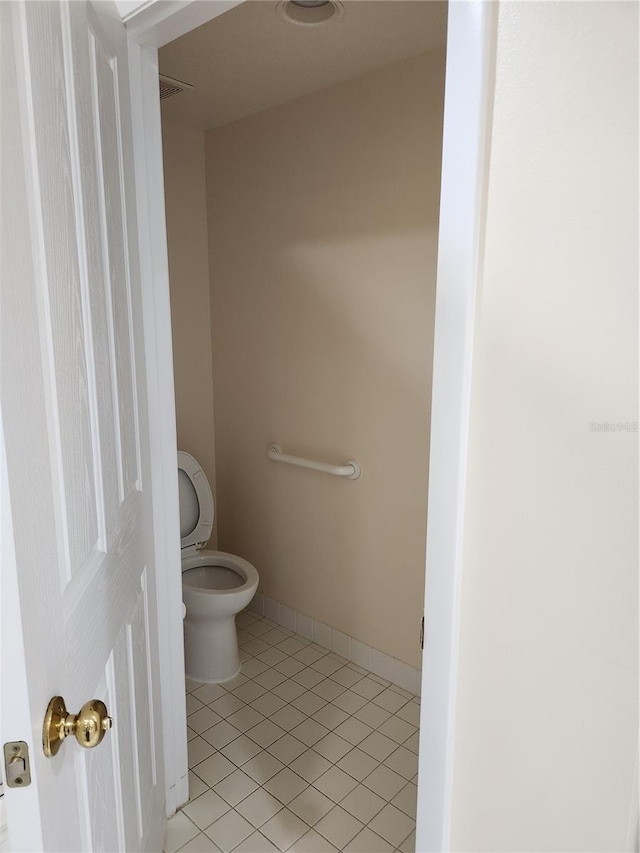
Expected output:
(186, 210)
(547, 722)
(323, 226)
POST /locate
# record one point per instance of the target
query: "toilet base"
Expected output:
(211, 649)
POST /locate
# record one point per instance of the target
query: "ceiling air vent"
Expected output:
(169, 86)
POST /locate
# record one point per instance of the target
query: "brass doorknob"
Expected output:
(89, 726)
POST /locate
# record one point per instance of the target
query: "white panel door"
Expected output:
(76, 427)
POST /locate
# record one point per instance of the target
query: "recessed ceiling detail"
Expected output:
(252, 58)
(310, 13)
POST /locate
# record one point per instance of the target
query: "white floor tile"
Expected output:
(308, 677)
(276, 636)
(288, 717)
(196, 786)
(271, 656)
(309, 732)
(384, 782)
(221, 734)
(200, 844)
(367, 688)
(312, 842)
(289, 667)
(328, 689)
(327, 665)
(249, 691)
(309, 654)
(372, 715)
(346, 676)
(203, 719)
(207, 808)
(262, 767)
(286, 749)
(357, 764)
(338, 827)
(259, 807)
(197, 750)
(208, 693)
(191, 734)
(310, 765)
(397, 729)
(349, 701)
(193, 704)
(229, 830)
(406, 800)
(257, 629)
(178, 830)
(291, 645)
(234, 682)
(390, 700)
(191, 685)
(367, 841)
(392, 824)
(283, 829)
(356, 785)
(332, 747)
(245, 618)
(288, 690)
(308, 703)
(411, 713)
(378, 746)
(285, 785)
(244, 719)
(268, 703)
(409, 844)
(412, 742)
(335, 784)
(235, 787)
(404, 762)
(269, 679)
(330, 717)
(255, 647)
(406, 693)
(214, 769)
(310, 806)
(363, 803)
(254, 667)
(353, 730)
(241, 750)
(255, 843)
(265, 733)
(227, 705)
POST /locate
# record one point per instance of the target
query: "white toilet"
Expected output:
(215, 585)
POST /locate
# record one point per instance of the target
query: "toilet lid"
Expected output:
(196, 503)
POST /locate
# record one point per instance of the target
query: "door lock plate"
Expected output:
(17, 768)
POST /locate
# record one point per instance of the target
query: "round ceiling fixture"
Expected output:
(310, 13)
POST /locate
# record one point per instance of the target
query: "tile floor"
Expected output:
(302, 752)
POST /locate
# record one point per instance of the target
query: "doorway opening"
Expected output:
(302, 178)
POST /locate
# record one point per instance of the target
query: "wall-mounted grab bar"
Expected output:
(350, 469)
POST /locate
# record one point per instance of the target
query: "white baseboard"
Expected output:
(391, 669)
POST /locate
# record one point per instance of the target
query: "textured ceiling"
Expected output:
(250, 59)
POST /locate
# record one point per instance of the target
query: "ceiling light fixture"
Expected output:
(310, 13)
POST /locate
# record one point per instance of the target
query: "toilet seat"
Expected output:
(196, 505)
(220, 559)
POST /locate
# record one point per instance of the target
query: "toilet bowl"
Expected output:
(215, 585)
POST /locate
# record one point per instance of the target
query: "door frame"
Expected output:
(471, 48)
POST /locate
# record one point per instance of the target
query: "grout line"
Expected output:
(323, 653)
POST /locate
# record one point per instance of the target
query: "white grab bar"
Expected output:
(350, 469)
